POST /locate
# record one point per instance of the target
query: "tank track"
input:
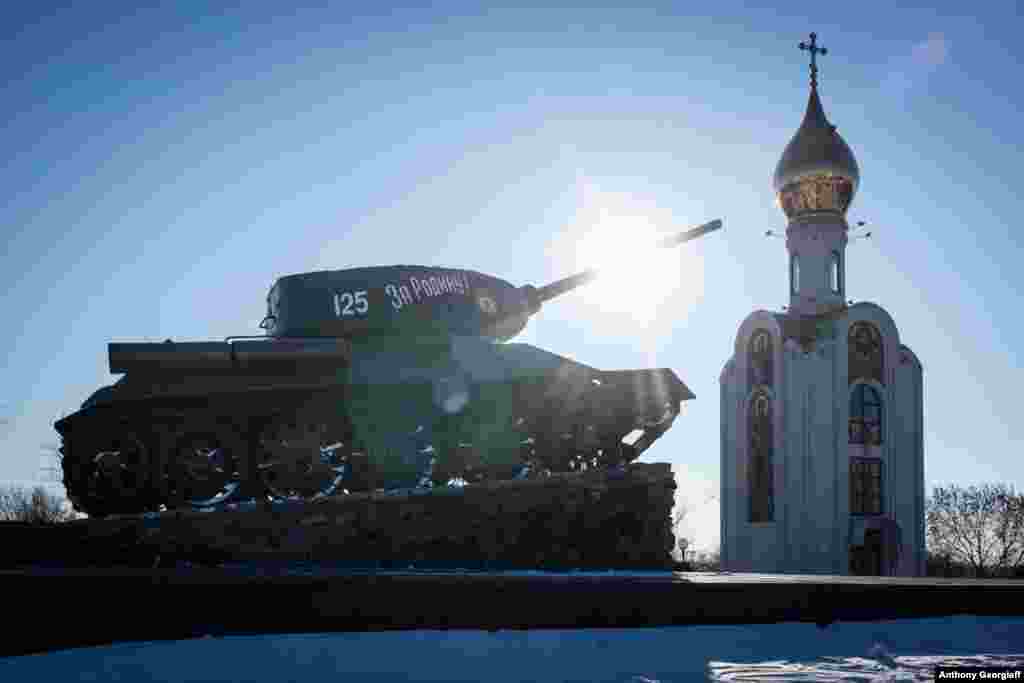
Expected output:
(136, 456)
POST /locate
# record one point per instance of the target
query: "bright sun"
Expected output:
(638, 280)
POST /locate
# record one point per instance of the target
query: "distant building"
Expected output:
(821, 441)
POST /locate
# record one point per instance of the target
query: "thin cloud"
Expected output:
(910, 69)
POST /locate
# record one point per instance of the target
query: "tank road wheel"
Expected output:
(205, 465)
(302, 461)
(548, 453)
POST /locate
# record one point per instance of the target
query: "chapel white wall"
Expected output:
(810, 531)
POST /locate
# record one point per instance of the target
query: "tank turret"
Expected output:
(419, 301)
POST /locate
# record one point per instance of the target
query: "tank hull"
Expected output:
(198, 425)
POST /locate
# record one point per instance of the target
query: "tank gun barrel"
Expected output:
(567, 284)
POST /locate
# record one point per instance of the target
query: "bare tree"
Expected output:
(50, 462)
(707, 561)
(980, 526)
(37, 505)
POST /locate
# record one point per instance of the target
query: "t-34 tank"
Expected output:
(366, 378)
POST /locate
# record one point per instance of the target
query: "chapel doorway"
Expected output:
(866, 560)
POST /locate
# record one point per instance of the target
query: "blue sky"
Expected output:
(163, 166)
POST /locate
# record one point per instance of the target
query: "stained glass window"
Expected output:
(866, 487)
(760, 361)
(761, 450)
(865, 353)
(865, 416)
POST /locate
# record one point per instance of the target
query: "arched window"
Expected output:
(865, 353)
(865, 416)
(759, 372)
(794, 274)
(835, 274)
(759, 473)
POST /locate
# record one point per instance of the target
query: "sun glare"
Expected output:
(637, 280)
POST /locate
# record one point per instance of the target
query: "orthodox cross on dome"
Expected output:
(813, 48)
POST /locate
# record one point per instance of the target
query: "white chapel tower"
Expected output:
(821, 406)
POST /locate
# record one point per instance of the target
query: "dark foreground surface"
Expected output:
(85, 607)
(865, 651)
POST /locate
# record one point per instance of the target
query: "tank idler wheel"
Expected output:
(206, 465)
(301, 461)
(79, 476)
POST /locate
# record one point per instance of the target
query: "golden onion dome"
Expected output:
(817, 172)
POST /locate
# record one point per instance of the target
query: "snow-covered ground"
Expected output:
(899, 650)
